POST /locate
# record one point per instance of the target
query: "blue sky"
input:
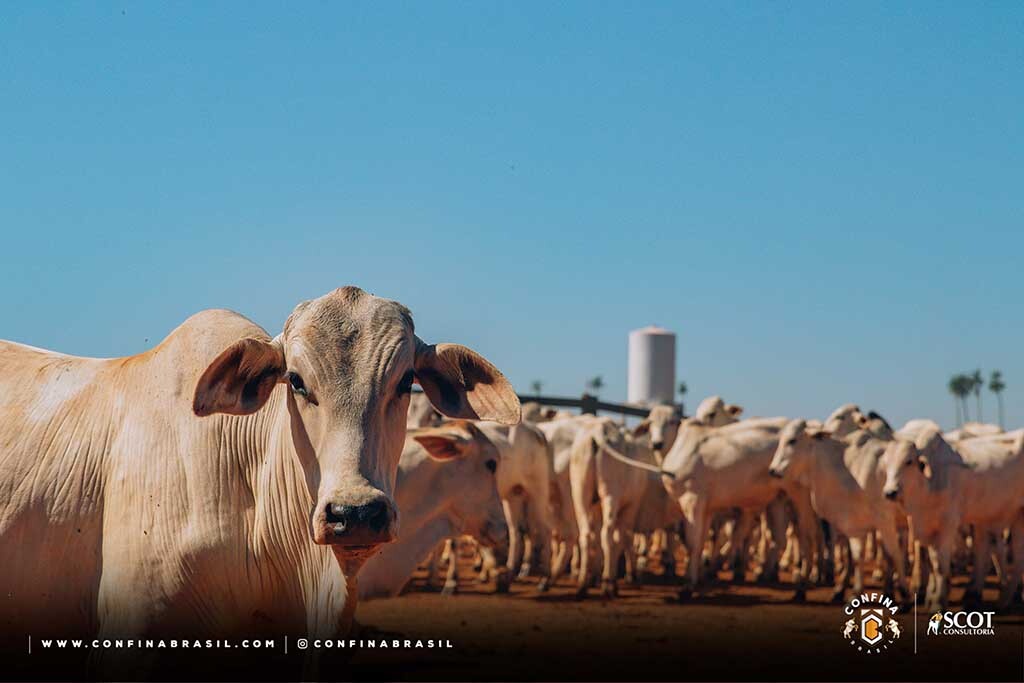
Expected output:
(824, 201)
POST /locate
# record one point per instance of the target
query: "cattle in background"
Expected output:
(845, 478)
(447, 485)
(980, 482)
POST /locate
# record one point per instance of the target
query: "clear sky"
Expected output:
(825, 201)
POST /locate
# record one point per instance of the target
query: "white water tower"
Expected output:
(652, 366)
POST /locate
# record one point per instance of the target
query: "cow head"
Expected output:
(714, 412)
(662, 423)
(347, 362)
(910, 465)
(469, 475)
(846, 419)
(794, 456)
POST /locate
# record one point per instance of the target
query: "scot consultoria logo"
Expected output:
(961, 624)
(871, 624)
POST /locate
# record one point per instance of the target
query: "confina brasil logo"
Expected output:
(870, 623)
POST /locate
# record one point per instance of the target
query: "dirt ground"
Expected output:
(730, 632)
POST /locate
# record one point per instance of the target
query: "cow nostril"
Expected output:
(658, 445)
(892, 493)
(374, 516)
(338, 516)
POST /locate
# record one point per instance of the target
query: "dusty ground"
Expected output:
(750, 632)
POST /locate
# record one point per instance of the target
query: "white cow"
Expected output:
(609, 489)
(529, 494)
(845, 478)
(561, 434)
(223, 483)
(447, 485)
(713, 470)
(942, 488)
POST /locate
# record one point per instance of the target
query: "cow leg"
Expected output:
(697, 523)
(999, 550)
(526, 566)
(741, 546)
(776, 525)
(857, 563)
(893, 557)
(609, 545)
(843, 576)
(514, 517)
(982, 547)
(451, 580)
(1014, 564)
(940, 557)
(668, 552)
(540, 538)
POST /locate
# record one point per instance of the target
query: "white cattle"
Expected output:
(447, 485)
(529, 494)
(845, 478)
(715, 470)
(610, 489)
(561, 434)
(223, 483)
(942, 488)
(714, 411)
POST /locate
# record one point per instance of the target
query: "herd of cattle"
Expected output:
(227, 482)
(588, 495)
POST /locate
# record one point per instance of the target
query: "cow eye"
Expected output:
(492, 465)
(297, 385)
(405, 384)
(909, 462)
(791, 442)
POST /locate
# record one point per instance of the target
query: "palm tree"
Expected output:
(954, 389)
(595, 384)
(681, 390)
(536, 385)
(977, 384)
(996, 386)
(960, 386)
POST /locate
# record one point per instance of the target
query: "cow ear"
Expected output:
(461, 383)
(240, 379)
(642, 428)
(925, 468)
(443, 443)
(734, 409)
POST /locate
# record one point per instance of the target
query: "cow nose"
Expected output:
(891, 494)
(775, 473)
(374, 516)
(658, 445)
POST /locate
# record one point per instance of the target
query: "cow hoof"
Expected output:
(524, 572)
(581, 592)
(685, 594)
(503, 582)
(544, 585)
(450, 588)
(837, 597)
(482, 577)
(609, 589)
(800, 595)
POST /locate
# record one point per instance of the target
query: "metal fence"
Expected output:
(589, 405)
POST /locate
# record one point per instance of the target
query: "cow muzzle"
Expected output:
(361, 526)
(775, 473)
(893, 493)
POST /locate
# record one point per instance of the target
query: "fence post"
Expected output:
(588, 404)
